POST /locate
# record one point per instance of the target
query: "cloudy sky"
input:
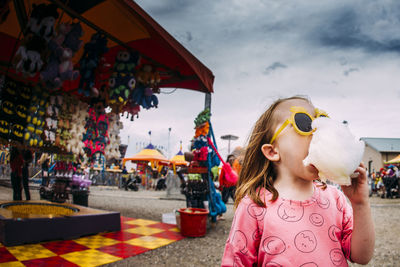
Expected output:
(344, 55)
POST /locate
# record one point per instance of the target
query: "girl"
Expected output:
(283, 216)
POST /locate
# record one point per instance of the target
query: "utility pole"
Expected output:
(207, 103)
(169, 135)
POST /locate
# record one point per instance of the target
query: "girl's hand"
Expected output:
(357, 192)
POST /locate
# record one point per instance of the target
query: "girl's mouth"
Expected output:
(313, 167)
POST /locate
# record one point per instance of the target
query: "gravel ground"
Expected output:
(207, 251)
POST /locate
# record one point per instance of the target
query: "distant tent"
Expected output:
(149, 153)
(179, 159)
(395, 160)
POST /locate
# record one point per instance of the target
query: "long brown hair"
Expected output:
(257, 171)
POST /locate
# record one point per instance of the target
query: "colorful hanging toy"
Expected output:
(90, 61)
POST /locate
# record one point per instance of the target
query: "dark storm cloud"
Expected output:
(348, 27)
(273, 67)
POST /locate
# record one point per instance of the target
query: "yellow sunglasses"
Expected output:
(301, 121)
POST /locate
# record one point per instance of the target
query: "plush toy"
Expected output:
(62, 48)
(12, 112)
(66, 67)
(71, 45)
(4, 129)
(148, 76)
(28, 58)
(150, 98)
(201, 154)
(40, 29)
(131, 109)
(126, 62)
(42, 20)
(25, 92)
(144, 96)
(72, 39)
(50, 75)
(59, 60)
(78, 119)
(202, 129)
(122, 80)
(90, 61)
(120, 88)
(35, 119)
(203, 117)
(112, 149)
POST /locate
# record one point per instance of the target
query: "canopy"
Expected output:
(149, 153)
(395, 160)
(179, 159)
(127, 26)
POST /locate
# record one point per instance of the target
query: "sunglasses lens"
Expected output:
(303, 122)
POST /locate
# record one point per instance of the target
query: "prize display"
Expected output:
(203, 159)
(52, 100)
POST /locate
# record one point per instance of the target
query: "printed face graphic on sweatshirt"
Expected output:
(316, 219)
(305, 241)
(290, 212)
(256, 212)
(273, 245)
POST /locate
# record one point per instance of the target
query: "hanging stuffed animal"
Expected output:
(90, 61)
(42, 20)
(144, 96)
(35, 120)
(126, 62)
(28, 58)
(148, 76)
(71, 45)
(120, 88)
(40, 29)
(60, 67)
(131, 109)
(7, 108)
(72, 39)
(122, 80)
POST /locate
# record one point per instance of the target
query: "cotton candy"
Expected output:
(334, 151)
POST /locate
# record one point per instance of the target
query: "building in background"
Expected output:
(378, 151)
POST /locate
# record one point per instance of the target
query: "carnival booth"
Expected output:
(69, 69)
(149, 162)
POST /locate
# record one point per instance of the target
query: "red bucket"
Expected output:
(193, 222)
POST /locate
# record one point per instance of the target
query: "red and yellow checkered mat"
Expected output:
(136, 236)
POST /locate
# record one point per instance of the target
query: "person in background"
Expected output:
(16, 163)
(44, 161)
(227, 188)
(28, 157)
(125, 177)
(397, 174)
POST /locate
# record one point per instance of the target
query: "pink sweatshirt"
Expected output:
(314, 232)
